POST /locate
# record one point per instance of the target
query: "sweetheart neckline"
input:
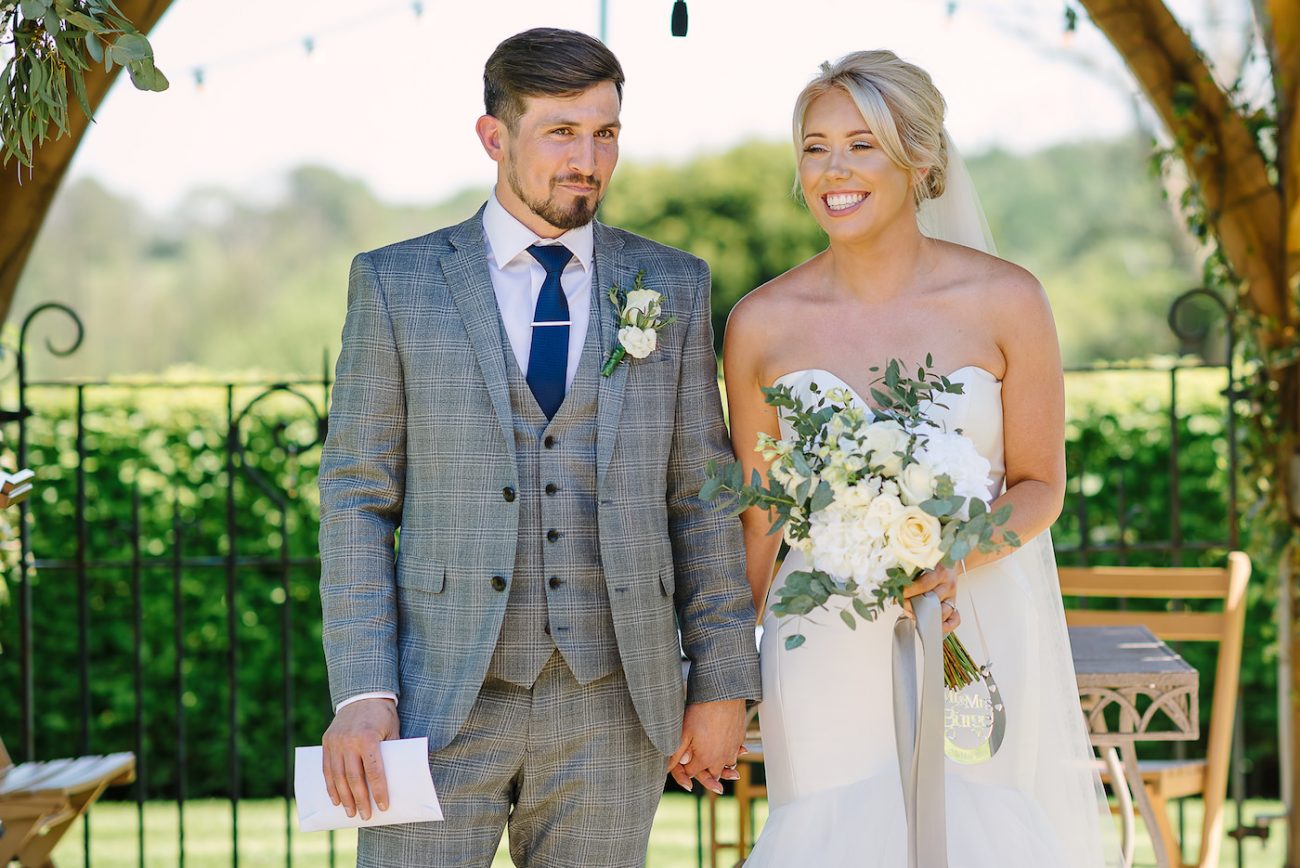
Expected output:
(858, 395)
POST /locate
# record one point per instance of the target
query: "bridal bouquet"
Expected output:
(872, 497)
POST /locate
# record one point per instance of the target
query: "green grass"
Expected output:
(262, 838)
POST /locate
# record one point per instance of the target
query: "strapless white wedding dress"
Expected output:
(827, 722)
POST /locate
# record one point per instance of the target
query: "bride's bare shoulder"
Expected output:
(766, 309)
(761, 323)
(993, 283)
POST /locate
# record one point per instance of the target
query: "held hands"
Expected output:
(354, 769)
(943, 582)
(713, 735)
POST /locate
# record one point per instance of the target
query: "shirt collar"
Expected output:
(507, 238)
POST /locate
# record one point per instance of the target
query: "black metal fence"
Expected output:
(165, 589)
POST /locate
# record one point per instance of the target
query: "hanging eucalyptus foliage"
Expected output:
(50, 45)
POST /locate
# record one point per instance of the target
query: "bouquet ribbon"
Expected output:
(918, 730)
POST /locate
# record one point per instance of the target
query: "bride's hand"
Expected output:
(943, 582)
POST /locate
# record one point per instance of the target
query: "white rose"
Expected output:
(916, 484)
(884, 511)
(639, 343)
(914, 539)
(641, 300)
(886, 440)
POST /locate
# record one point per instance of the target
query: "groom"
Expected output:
(552, 535)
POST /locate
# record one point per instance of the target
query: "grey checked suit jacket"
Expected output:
(420, 437)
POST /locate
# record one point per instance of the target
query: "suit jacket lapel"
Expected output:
(466, 271)
(610, 271)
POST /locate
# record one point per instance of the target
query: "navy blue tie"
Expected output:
(548, 359)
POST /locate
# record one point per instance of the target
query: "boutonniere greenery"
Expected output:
(640, 313)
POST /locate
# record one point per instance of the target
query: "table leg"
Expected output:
(1139, 791)
(1119, 781)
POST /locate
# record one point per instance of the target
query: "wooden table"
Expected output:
(1133, 688)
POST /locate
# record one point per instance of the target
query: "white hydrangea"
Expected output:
(955, 456)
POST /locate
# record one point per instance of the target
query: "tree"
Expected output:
(26, 192)
(1244, 165)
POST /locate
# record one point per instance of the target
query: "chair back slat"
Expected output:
(1145, 582)
(1167, 626)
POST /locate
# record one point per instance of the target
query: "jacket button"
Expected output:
(552, 535)
(498, 583)
(509, 494)
(551, 488)
(555, 581)
(549, 442)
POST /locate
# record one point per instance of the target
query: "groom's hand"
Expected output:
(713, 735)
(353, 766)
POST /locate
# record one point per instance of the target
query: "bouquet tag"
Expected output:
(974, 720)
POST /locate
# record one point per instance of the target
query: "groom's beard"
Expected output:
(580, 213)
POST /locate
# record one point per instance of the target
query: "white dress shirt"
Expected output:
(517, 282)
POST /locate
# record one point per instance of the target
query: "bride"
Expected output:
(880, 176)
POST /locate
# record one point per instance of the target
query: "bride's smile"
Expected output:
(843, 204)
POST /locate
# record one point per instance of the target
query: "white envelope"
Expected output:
(411, 797)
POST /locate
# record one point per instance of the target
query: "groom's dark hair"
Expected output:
(545, 61)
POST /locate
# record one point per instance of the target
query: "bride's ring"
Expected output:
(732, 767)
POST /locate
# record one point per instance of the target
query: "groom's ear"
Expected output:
(492, 133)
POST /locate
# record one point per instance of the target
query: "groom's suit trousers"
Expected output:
(568, 766)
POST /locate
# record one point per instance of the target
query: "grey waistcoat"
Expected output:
(558, 597)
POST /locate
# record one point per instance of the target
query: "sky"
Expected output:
(392, 97)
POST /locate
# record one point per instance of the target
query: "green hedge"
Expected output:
(170, 445)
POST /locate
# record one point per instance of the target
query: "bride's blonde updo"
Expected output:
(900, 104)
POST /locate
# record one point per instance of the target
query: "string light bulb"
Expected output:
(1071, 25)
(680, 19)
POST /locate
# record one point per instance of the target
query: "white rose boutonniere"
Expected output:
(640, 312)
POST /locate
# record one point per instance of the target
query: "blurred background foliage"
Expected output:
(227, 282)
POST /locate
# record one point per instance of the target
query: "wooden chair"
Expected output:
(745, 791)
(1174, 779)
(40, 800)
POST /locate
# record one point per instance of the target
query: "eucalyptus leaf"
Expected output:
(86, 23)
(848, 618)
(793, 642)
(823, 497)
(131, 47)
(960, 549)
(936, 506)
(33, 9)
